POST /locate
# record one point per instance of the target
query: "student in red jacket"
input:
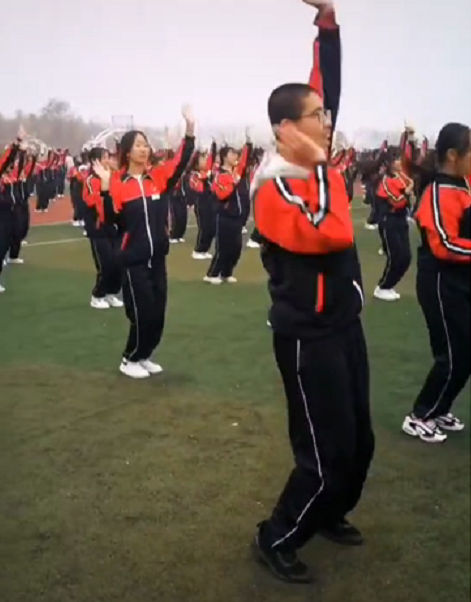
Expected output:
(134, 198)
(444, 285)
(302, 213)
(227, 186)
(103, 237)
(392, 202)
(7, 198)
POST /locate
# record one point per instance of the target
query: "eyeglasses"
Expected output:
(323, 115)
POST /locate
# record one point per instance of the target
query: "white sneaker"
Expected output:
(24, 243)
(2, 289)
(114, 301)
(133, 370)
(385, 295)
(210, 280)
(251, 244)
(245, 231)
(450, 423)
(198, 255)
(208, 256)
(76, 224)
(396, 294)
(17, 261)
(181, 240)
(269, 324)
(371, 226)
(230, 280)
(173, 241)
(425, 430)
(99, 303)
(151, 368)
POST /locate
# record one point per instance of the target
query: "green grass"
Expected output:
(117, 491)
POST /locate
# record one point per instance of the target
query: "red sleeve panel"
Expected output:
(440, 216)
(306, 216)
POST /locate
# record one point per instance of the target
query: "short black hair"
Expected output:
(453, 136)
(287, 102)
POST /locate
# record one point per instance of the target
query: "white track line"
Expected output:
(46, 243)
(65, 241)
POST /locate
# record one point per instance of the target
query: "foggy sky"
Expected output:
(407, 59)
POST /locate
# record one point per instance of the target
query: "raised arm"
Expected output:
(326, 73)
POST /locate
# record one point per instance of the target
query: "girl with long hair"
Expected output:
(444, 285)
(134, 199)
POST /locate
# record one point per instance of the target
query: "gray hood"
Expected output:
(273, 165)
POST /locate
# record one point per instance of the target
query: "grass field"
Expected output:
(122, 491)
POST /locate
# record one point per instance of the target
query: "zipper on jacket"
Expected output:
(146, 215)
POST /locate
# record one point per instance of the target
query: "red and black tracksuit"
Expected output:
(77, 176)
(20, 210)
(178, 201)
(7, 200)
(444, 289)
(202, 200)
(142, 216)
(316, 291)
(392, 211)
(229, 217)
(103, 240)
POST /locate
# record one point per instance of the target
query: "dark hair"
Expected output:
(287, 101)
(453, 136)
(96, 154)
(126, 144)
(195, 160)
(224, 151)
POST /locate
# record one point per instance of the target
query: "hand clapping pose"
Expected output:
(133, 200)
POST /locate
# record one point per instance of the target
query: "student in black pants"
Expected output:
(141, 212)
(179, 213)
(392, 202)
(302, 211)
(444, 285)
(103, 238)
(226, 188)
(201, 198)
(7, 200)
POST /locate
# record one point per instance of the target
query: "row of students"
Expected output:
(17, 168)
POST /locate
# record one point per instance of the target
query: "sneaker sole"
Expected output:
(416, 435)
(134, 377)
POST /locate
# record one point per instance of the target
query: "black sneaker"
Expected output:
(284, 565)
(343, 533)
